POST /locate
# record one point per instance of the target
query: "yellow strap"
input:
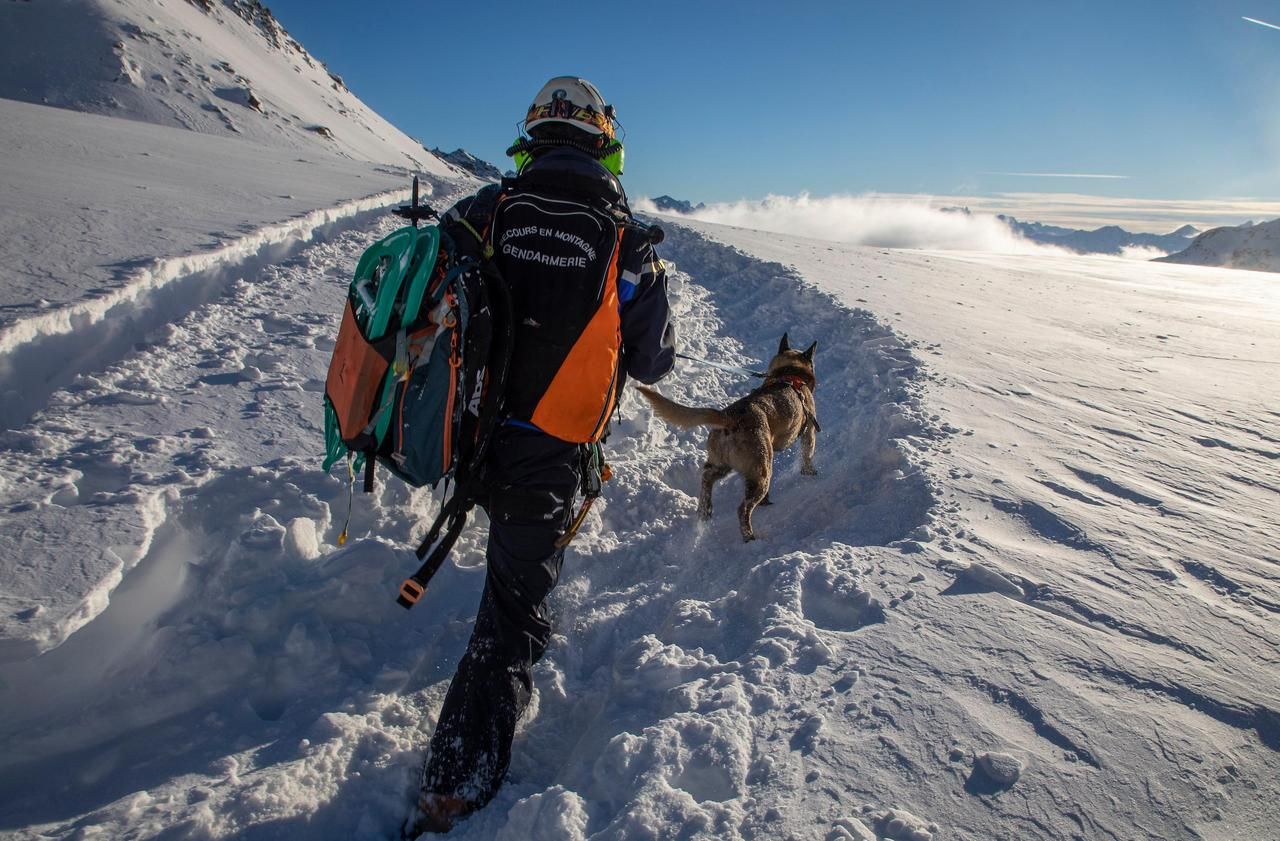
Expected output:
(485, 247)
(351, 490)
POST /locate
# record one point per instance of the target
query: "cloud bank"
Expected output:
(884, 221)
(1160, 216)
(896, 220)
(1142, 252)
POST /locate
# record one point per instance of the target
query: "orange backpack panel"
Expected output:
(356, 372)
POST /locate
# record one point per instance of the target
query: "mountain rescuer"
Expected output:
(589, 300)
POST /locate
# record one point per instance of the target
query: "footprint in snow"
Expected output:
(901, 825)
(978, 578)
(850, 829)
(806, 738)
(833, 601)
(993, 773)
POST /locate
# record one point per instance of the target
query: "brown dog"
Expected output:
(749, 431)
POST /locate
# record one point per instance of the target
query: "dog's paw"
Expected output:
(809, 470)
(766, 500)
(747, 538)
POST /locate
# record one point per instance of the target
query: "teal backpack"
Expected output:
(417, 373)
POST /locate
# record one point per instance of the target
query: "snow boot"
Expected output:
(435, 813)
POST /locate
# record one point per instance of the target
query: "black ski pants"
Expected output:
(530, 483)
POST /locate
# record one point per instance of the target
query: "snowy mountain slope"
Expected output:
(221, 67)
(1091, 436)
(468, 162)
(113, 225)
(146, 187)
(81, 219)
(1249, 246)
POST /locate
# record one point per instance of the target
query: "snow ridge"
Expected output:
(43, 368)
(168, 269)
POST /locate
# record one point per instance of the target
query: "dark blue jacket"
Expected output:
(647, 335)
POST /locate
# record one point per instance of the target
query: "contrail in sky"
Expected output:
(1057, 174)
(1263, 23)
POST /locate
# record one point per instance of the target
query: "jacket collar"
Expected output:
(568, 170)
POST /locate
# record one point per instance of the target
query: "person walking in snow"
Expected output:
(589, 298)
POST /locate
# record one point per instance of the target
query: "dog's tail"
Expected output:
(681, 415)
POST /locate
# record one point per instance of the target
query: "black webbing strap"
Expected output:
(415, 585)
(468, 482)
(455, 513)
(370, 462)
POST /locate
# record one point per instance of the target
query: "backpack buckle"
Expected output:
(410, 592)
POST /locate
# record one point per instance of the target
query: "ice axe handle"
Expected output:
(413, 211)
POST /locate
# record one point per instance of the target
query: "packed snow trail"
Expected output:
(247, 678)
(61, 352)
(43, 353)
(202, 448)
(838, 677)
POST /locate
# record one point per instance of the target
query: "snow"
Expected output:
(81, 219)
(1030, 594)
(106, 247)
(220, 67)
(838, 673)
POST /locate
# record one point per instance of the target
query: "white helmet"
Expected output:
(574, 102)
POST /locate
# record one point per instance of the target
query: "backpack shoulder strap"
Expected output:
(475, 214)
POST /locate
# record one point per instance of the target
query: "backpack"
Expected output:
(417, 373)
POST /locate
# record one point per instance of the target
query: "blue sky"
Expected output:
(728, 100)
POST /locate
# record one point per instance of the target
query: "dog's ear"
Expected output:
(808, 354)
(784, 345)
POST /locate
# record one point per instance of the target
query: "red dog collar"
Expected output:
(796, 382)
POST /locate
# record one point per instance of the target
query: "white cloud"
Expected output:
(1075, 210)
(894, 220)
(1142, 252)
(886, 221)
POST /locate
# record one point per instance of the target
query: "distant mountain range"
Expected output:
(468, 162)
(666, 204)
(1109, 239)
(1248, 246)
